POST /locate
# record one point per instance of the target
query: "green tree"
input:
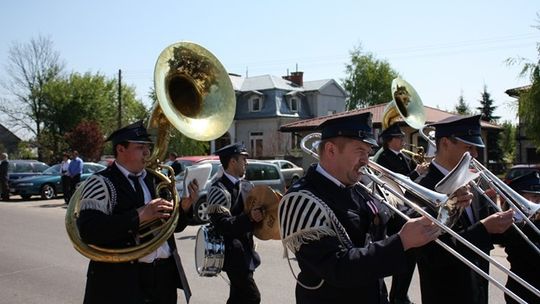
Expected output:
(76, 98)
(367, 80)
(507, 142)
(487, 109)
(30, 67)
(462, 108)
(529, 111)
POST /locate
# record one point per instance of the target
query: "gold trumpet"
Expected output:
(195, 95)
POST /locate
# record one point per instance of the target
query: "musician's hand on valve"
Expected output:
(418, 232)
(155, 209)
(186, 202)
(422, 168)
(498, 222)
(463, 196)
(256, 214)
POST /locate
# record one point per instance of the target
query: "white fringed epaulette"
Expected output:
(99, 194)
(303, 218)
(219, 196)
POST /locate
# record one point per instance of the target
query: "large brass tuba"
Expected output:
(195, 95)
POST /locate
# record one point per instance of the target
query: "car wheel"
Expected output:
(201, 211)
(48, 192)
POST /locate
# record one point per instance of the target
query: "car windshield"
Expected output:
(53, 170)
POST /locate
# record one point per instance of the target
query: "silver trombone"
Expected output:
(441, 203)
(521, 206)
(407, 106)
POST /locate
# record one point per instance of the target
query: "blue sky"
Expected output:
(442, 49)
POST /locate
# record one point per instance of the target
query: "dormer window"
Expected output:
(255, 104)
(294, 104)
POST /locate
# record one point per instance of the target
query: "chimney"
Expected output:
(296, 78)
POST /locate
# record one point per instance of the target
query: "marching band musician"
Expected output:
(114, 203)
(523, 259)
(444, 278)
(226, 210)
(391, 158)
(335, 228)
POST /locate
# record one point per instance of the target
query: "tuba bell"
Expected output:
(195, 95)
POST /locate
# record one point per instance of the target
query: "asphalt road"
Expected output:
(39, 265)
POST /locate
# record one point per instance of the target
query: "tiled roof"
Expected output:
(432, 115)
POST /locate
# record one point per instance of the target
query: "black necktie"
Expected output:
(138, 189)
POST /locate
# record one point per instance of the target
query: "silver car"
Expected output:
(290, 171)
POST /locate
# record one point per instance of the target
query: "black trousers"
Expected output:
(4, 189)
(243, 289)
(402, 281)
(74, 180)
(66, 187)
(158, 282)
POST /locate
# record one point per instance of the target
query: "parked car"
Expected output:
(290, 171)
(187, 161)
(48, 184)
(519, 170)
(257, 172)
(19, 168)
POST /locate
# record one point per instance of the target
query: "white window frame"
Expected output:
(294, 100)
(255, 100)
(255, 137)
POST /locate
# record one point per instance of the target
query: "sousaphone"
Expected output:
(194, 95)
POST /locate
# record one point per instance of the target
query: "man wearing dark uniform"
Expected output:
(114, 203)
(523, 259)
(444, 278)
(391, 158)
(335, 228)
(226, 210)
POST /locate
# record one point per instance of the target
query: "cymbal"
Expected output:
(266, 198)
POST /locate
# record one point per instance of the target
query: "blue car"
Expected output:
(48, 184)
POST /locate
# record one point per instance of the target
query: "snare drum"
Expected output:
(209, 251)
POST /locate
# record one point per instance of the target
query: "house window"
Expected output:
(256, 143)
(294, 104)
(255, 104)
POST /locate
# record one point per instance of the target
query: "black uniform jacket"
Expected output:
(351, 275)
(398, 163)
(444, 278)
(116, 228)
(524, 262)
(237, 231)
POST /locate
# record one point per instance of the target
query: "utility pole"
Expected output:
(119, 98)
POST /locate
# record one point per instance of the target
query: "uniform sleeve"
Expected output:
(97, 224)
(218, 211)
(308, 230)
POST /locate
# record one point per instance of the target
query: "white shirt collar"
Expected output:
(396, 152)
(330, 177)
(443, 170)
(126, 172)
(233, 179)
